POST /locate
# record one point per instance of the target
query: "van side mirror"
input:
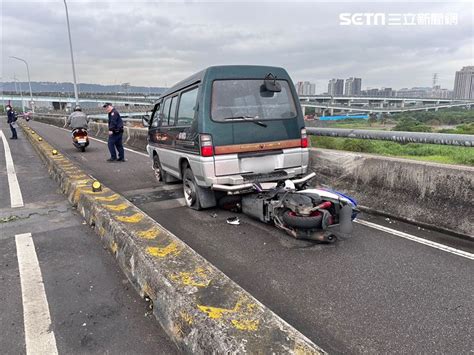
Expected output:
(146, 120)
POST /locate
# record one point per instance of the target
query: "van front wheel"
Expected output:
(190, 189)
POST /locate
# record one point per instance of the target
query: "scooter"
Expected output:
(80, 138)
(305, 213)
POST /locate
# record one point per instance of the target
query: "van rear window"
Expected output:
(248, 99)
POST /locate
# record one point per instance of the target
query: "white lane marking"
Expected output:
(16, 199)
(39, 337)
(429, 243)
(104, 142)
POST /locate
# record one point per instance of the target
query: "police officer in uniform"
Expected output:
(115, 134)
(11, 120)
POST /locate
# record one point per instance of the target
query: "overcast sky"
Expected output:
(158, 43)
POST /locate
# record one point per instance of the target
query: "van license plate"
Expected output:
(258, 165)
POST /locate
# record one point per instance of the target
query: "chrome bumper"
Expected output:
(249, 185)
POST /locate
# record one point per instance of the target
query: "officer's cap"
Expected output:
(107, 104)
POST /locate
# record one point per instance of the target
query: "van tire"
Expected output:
(160, 174)
(190, 189)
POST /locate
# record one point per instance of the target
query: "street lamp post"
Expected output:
(21, 93)
(32, 106)
(76, 95)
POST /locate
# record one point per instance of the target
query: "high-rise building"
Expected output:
(353, 87)
(305, 88)
(336, 87)
(464, 83)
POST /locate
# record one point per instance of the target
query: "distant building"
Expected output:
(353, 87)
(383, 92)
(336, 87)
(416, 92)
(464, 83)
(305, 88)
(439, 93)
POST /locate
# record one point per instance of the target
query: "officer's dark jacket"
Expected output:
(115, 122)
(11, 116)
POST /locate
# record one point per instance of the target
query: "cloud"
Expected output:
(160, 43)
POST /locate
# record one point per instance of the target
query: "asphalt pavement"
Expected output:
(92, 307)
(373, 293)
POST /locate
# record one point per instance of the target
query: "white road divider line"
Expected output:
(16, 199)
(429, 243)
(39, 337)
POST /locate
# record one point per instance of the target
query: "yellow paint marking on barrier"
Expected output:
(86, 177)
(187, 317)
(214, 312)
(107, 198)
(201, 277)
(83, 182)
(170, 249)
(101, 231)
(246, 324)
(114, 247)
(243, 316)
(302, 349)
(148, 291)
(151, 233)
(117, 208)
(77, 192)
(89, 191)
(135, 218)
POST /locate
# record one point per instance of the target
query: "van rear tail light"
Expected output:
(207, 150)
(304, 138)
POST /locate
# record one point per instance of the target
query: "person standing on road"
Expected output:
(77, 119)
(11, 120)
(115, 134)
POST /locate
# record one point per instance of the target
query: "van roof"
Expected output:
(228, 72)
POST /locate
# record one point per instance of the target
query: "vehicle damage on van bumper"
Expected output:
(242, 188)
(304, 213)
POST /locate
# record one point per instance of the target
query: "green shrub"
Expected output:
(410, 125)
(427, 152)
(357, 145)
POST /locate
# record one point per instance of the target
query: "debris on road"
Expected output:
(233, 220)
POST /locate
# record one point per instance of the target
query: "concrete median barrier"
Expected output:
(439, 196)
(199, 307)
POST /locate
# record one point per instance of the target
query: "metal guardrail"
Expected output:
(93, 117)
(465, 140)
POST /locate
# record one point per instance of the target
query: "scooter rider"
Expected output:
(77, 119)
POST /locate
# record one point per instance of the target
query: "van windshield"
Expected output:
(249, 99)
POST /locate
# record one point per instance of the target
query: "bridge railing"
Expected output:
(465, 140)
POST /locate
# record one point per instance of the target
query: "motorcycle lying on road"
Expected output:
(321, 215)
(80, 138)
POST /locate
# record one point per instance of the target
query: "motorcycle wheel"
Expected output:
(303, 222)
